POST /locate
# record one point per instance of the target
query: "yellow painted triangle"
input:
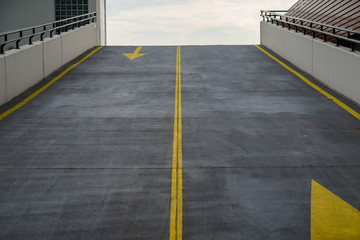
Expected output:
(135, 54)
(331, 217)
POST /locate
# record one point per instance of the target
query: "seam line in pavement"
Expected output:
(199, 167)
(175, 232)
(26, 100)
(326, 94)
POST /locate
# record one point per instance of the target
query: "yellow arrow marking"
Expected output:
(332, 217)
(135, 54)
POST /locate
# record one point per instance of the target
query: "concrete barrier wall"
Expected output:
(344, 73)
(22, 68)
(2, 80)
(52, 54)
(76, 42)
(336, 67)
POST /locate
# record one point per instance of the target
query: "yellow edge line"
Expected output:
(176, 209)
(328, 95)
(23, 102)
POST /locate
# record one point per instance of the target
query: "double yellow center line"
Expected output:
(176, 208)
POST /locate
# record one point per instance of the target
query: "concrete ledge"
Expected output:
(344, 72)
(2, 80)
(52, 55)
(294, 47)
(321, 61)
(77, 41)
(22, 68)
(336, 67)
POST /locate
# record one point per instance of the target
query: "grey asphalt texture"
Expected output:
(91, 156)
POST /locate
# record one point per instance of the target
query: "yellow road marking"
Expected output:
(176, 209)
(135, 54)
(328, 95)
(332, 217)
(17, 106)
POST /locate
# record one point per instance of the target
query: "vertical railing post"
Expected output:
(17, 44)
(2, 49)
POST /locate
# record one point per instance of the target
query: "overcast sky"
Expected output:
(187, 22)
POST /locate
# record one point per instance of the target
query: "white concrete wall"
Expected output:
(321, 61)
(22, 68)
(294, 47)
(2, 80)
(344, 73)
(336, 67)
(101, 22)
(52, 54)
(77, 41)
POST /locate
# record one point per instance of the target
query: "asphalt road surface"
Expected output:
(91, 157)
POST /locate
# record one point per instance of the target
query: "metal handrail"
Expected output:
(272, 15)
(305, 20)
(64, 24)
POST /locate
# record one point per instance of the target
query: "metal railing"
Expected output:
(315, 28)
(41, 30)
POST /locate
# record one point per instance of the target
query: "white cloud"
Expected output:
(187, 22)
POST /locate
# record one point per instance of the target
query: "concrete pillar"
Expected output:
(101, 22)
